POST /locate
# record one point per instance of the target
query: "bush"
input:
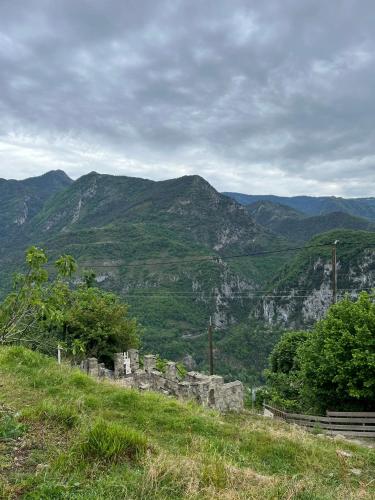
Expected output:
(337, 362)
(111, 442)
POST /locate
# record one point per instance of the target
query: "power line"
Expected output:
(203, 258)
(210, 258)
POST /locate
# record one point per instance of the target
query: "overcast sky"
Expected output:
(274, 96)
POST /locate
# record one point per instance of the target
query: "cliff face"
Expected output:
(21, 200)
(302, 292)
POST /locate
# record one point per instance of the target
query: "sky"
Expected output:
(258, 97)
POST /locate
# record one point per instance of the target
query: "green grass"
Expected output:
(87, 440)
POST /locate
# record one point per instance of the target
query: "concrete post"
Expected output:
(149, 362)
(93, 367)
(119, 364)
(171, 371)
(134, 359)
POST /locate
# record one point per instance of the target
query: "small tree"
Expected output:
(33, 300)
(43, 313)
(283, 375)
(338, 360)
(100, 321)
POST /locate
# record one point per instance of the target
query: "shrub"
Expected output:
(111, 442)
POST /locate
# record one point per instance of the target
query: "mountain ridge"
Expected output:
(315, 205)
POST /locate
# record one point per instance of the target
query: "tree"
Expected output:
(100, 321)
(42, 312)
(337, 362)
(32, 300)
(283, 375)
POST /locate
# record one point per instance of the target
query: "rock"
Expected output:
(339, 437)
(189, 362)
(356, 472)
(343, 453)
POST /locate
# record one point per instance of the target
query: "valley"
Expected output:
(179, 252)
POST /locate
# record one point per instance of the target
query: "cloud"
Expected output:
(260, 97)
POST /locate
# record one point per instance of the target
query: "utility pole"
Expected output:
(210, 347)
(334, 272)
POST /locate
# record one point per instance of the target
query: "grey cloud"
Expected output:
(272, 96)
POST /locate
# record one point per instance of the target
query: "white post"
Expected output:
(59, 354)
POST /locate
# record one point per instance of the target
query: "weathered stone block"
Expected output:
(149, 362)
(134, 359)
(119, 365)
(93, 367)
(171, 371)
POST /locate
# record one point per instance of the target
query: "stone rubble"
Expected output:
(208, 390)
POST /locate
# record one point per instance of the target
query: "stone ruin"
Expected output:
(207, 390)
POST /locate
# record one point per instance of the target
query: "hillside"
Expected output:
(64, 435)
(178, 252)
(297, 227)
(301, 292)
(152, 243)
(21, 200)
(314, 205)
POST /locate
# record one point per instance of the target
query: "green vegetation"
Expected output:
(330, 368)
(124, 444)
(43, 313)
(297, 227)
(145, 240)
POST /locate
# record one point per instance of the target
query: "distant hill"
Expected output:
(295, 226)
(310, 205)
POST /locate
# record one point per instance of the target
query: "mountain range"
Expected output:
(315, 205)
(179, 252)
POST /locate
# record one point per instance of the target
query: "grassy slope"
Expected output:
(191, 452)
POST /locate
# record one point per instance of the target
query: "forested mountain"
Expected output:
(310, 205)
(297, 227)
(179, 252)
(302, 291)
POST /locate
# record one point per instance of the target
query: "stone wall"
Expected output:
(207, 390)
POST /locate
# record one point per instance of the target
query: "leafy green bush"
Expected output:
(331, 367)
(338, 360)
(111, 442)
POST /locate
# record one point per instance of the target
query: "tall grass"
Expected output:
(111, 442)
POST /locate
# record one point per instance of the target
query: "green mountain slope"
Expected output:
(67, 436)
(163, 246)
(297, 227)
(302, 291)
(21, 200)
(169, 249)
(311, 205)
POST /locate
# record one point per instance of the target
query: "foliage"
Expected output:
(338, 360)
(10, 427)
(100, 322)
(33, 300)
(330, 368)
(283, 378)
(84, 320)
(195, 453)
